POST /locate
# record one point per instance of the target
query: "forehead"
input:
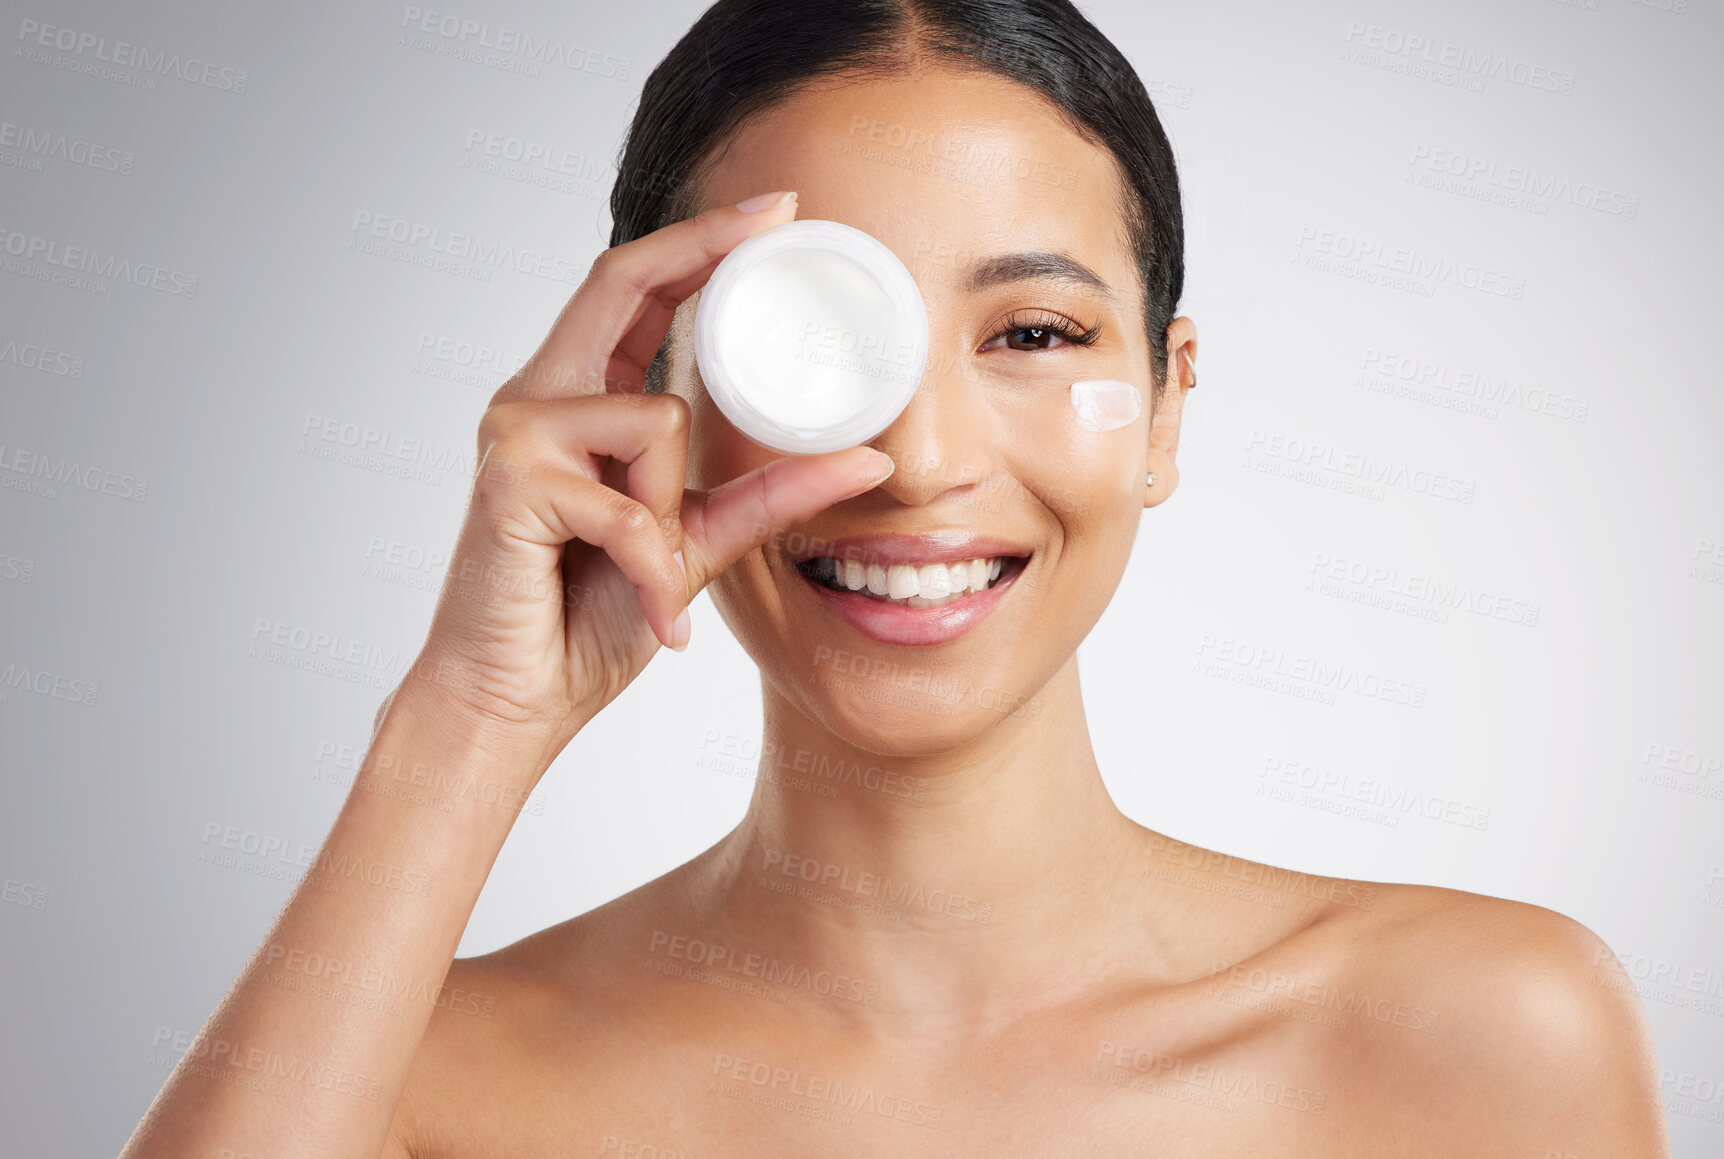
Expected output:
(943, 167)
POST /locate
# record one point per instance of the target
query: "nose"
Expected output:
(943, 442)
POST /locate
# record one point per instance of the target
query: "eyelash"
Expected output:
(1053, 324)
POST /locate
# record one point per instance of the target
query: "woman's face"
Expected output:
(955, 173)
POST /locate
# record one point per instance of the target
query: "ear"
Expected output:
(1164, 422)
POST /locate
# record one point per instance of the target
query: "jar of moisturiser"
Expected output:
(811, 337)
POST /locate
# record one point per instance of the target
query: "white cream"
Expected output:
(804, 332)
(811, 337)
(1105, 404)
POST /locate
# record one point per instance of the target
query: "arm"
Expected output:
(560, 589)
(309, 1051)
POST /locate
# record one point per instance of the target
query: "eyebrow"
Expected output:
(1023, 267)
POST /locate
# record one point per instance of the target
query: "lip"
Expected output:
(896, 624)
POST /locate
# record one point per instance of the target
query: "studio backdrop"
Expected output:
(1440, 598)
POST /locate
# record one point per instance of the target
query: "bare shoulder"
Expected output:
(518, 1031)
(1531, 1026)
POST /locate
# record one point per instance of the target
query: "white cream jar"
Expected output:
(811, 337)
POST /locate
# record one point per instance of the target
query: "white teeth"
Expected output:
(926, 585)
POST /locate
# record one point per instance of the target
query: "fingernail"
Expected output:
(880, 467)
(679, 631)
(764, 201)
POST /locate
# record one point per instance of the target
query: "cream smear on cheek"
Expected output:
(1105, 404)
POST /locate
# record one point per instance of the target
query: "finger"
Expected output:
(565, 504)
(646, 433)
(722, 525)
(613, 325)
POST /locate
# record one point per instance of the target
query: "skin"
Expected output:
(1097, 987)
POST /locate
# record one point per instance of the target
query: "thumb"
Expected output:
(725, 523)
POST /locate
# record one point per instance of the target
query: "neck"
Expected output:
(945, 879)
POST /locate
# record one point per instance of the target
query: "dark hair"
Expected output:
(743, 55)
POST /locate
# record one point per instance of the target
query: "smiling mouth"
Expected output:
(929, 585)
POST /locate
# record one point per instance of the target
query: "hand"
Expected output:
(582, 548)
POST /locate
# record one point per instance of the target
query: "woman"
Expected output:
(932, 933)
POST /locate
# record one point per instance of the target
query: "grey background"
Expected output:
(1551, 736)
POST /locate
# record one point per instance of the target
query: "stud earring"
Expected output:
(1152, 478)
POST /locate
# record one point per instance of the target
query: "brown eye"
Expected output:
(1029, 338)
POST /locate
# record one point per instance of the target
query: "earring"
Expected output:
(1152, 478)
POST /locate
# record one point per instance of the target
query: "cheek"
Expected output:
(749, 606)
(1084, 476)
